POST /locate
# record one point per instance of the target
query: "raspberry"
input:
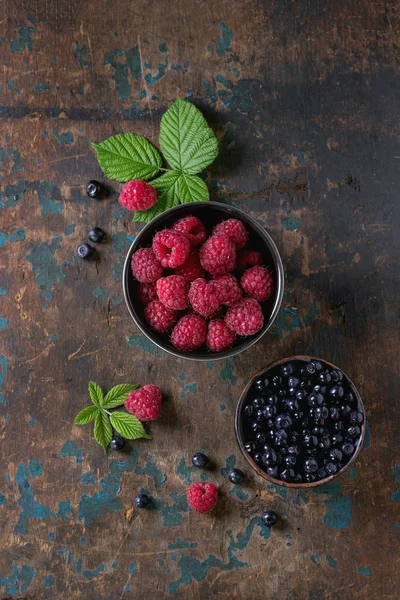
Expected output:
(229, 289)
(204, 296)
(145, 403)
(147, 292)
(137, 195)
(191, 268)
(173, 291)
(159, 317)
(257, 283)
(189, 333)
(219, 336)
(202, 496)
(235, 230)
(247, 257)
(245, 317)
(192, 228)
(218, 255)
(145, 267)
(171, 248)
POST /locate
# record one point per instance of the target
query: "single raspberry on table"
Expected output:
(145, 267)
(257, 283)
(160, 317)
(145, 403)
(204, 297)
(218, 255)
(189, 333)
(245, 317)
(147, 292)
(202, 496)
(235, 230)
(171, 248)
(248, 258)
(229, 289)
(192, 228)
(191, 268)
(137, 195)
(173, 291)
(219, 336)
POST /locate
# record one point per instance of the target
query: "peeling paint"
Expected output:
(23, 41)
(12, 194)
(339, 515)
(48, 273)
(49, 198)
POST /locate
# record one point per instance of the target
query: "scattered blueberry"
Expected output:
(199, 460)
(117, 443)
(95, 189)
(269, 517)
(236, 476)
(97, 235)
(142, 500)
(84, 251)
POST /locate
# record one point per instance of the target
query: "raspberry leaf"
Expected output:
(118, 394)
(128, 426)
(186, 140)
(96, 394)
(126, 156)
(102, 430)
(192, 189)
(86, 415)
(167, 189)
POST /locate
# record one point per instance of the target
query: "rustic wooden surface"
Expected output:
(304, 99)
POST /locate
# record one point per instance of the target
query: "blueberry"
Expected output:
(281, 438)
(347, 449)
(259, 402)
(335, 454)
(257, 457)
(330, 468)
(261, 438)
(270, 458)
(306, 384)
(298, 478)
(292, 405)
(310, 477)
(356, 418)
(310, 465)
(283, 421)
(339, 425)
(142, 500)
(256, 426)
(199, 460)
(248, 410)
(272, 471)
(276, 381)
(298, 415)
(250, 447)
(287, 474)
(321, 473)
(84, 251)
(349, 397)
(261, 384)
(337, 439)
(269, 411)
(310, 441)
(320, 414)
(318, 431)
(318, 365)
(293, 382)
(272, 400)
(236, 476)
(311, 368)
(117, 443)
(336, 391)
(354, 431)
(325, 442)
(336, 375)
(324, 377)
(269, 517)
(300, 394)
(287, 369)
(290, 460)
(271, 433)
(334, 413)
(315, 399)
(94, 189)
(294, 450)
(96, 235)
(281, 392)
(259, 415)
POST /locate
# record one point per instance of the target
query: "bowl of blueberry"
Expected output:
(203, 281)
(300, 422)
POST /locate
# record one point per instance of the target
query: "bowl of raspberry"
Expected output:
(203, 281)
(300, 422)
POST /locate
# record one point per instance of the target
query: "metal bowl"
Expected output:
(239, 432)
(210, 213)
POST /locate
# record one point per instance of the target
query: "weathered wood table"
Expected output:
(304, 99)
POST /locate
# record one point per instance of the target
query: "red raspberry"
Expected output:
(145, 266)
(202, 496)
(218, 255)
(247, 257)
(191, 268)
(159, 317)
(192, 228)
(229, 289)
(219, 336)
(189, 333)
(145, 403)
(147, 292)
(137, 195)
(171, 248)
(173, 291)
(204, 297)
(245, 317)
(257, 283)
(235, 230)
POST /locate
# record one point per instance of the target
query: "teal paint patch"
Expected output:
(101, 292)
(291, 223)
(71, 450)
(49, 198)
(3, 291)
(353, 471)
(16, 160)
(230, 462)
(3, 323)
(134, 63)
(132, 568)
(88, 478)
(114, 564)
(83, 540)
(171, 514)
(140, 341)
(339, 515)
(224, 44)
(163, 47)
(280, 490)
(23, 41)
(89, 575)
(314, 558)
(161, 70)
(19, 235)
(222, 407)
(185, 470)
(50, 535)
(64, 509)
(65, 139)
(45, 266)
(210, 365)
(80, 52)
(239, 492)
(10, 84)
(151, 469)
(2, 499)
(41, 87)
(181, 376)
(48, 581)
(367, 437)
(121, 73)
(364, 571)
(288, 320)
(227, 373)
(332, 562)
(181, 544)
(19, 581)
(32, 422)
(69, 229)
(190, 388)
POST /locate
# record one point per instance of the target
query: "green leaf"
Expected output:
(128, 426)
(102, 430)
(167, 188)
(186, 140)
(96, 394)
(126, 156)
(118, 394)
(86, 415)
(192, 189)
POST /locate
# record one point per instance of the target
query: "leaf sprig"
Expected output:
(188, 144)
(104, 421)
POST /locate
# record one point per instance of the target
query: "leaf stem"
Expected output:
(161, 169)
(106, 411)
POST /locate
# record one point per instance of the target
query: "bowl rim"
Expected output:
(280, 283)
(254, 465)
